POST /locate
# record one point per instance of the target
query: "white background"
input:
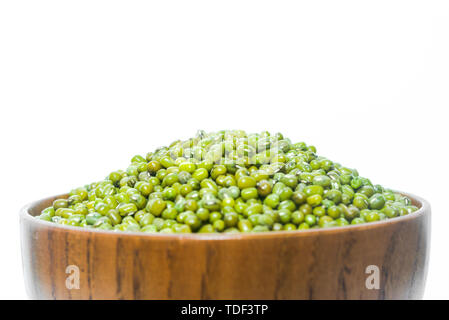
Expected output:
(85, 85)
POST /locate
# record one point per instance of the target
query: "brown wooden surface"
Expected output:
(312, 264)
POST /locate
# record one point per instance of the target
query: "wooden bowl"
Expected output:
(335, 263)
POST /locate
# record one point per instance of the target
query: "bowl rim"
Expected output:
(424, 209)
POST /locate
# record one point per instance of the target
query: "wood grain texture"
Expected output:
(311, 264)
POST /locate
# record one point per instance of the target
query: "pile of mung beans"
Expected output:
(228, 181)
